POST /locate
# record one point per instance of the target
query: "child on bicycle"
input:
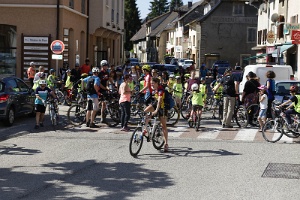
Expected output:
(177, 91)
(197, 101)
(294, 101)
(263, 104)
(203, 89)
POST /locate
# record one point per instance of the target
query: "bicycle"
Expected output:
(274, 129)
(137, 137)
(53, 111)
(196, 119)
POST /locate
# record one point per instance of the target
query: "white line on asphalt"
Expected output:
(246, 134)
(178, 131)
(209, 135)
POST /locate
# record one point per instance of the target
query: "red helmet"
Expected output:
(294, 88)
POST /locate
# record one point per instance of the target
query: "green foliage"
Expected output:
(158, 7)
(132, 22)
(176, 4)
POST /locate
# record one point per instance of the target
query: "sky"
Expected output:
(144, 5)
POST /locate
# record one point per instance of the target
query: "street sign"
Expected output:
(57, 57)
(270, 37)
(57, 46)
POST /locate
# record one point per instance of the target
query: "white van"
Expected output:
(283, 72)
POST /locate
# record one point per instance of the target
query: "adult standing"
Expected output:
(104, 77)
(230, 93)
(250, 94)
(93, 86)
(270, 91)
(86, 68)
(125, 93)
(75, 73)
(63, 74)
(215, 71)
(203, 71)
(31, 73)
(37, 77)
(192, 80)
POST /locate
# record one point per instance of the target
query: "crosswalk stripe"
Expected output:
(209, 135)
(178, 131)
(246, 134)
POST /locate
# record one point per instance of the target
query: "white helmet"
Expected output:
(32, 63)
(195, 86)
(104, 63)
(171, 76)
(95, 69)
(42, 82)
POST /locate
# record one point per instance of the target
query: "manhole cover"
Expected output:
(282, 170)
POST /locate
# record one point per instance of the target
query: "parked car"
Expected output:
(187, 63)
(171, 69)
(181, 61)
(283, 89)
(174, 61)
(168, 59)
(16, 99)
(133, 60)
(222, 66)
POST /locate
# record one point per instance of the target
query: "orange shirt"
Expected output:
(30, 72)
(85, 68)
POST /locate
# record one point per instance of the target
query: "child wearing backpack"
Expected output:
(197, 100)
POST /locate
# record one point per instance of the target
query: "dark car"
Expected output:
(222, 66)
(168, 59)
(16, 99)
(171, 69)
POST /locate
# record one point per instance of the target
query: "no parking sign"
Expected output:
(57, 46)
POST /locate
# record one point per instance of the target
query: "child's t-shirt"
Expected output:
(264, 103)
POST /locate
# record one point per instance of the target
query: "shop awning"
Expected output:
(257, 56)
(282, 49)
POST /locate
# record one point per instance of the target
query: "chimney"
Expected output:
(190, 3)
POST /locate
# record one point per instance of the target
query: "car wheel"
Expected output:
(10, 117)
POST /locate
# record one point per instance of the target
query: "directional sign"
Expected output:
(57, 47)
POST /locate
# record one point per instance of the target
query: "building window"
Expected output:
(194, 40)
(294, 19)
(238, 9)
(83, 6)
(112, 15)
(8, 49)
(264, 36)
(71, 4)
(259, 37)
(251, 34)
(280, 27)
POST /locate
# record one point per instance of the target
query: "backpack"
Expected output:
(90, 86)
(229, 86)
(168, 101)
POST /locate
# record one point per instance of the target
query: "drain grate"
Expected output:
(282, 170)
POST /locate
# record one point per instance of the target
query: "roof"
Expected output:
(141, 34)
(189, 10)
(166, 23)
(202, 18)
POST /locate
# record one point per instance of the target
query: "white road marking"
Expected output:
(246, 134)
(209, 135)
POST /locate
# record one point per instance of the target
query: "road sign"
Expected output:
(57, 57)
(57, 46)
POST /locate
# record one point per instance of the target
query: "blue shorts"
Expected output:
(262, 113)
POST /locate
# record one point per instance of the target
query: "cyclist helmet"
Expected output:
(52, 70)
(187, 75)
(42, 82)
(104, 63)
(202, 79)
(195, 87)
(84, 75)
(178, 77)
(147, 68)
(95, 70)
(171, 76)
(294, 88)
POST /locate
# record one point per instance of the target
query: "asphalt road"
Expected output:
(82, 163)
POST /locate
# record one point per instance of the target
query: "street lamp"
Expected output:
(250, 4)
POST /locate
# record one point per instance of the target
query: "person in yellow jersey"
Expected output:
(69, 83)
(52, 79)
(217, 97)
(177, 91)
(294, 102)
(197, 100)
(171, 82)
(203, 89)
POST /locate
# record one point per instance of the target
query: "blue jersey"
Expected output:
(43, 93)
(96, 82)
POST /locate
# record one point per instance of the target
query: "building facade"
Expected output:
(88, 28)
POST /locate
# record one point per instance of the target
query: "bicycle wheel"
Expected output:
(52, 115)
(272, 130)
(136, 142)
(136, 111)
(197, 123)
(241, 117)
(76, 114)
(60, 96)
(113, 119)
(290, 133)
(158, 139)
(173, 116)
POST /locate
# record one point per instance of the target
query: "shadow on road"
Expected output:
(13, 149)
(76, 180)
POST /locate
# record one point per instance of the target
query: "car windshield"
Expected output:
(188, 62)
(283, 88)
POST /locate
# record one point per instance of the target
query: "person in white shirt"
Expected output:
(263, 104)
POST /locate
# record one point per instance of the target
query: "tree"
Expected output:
(132, 22)
(158, 7)
(175, 4)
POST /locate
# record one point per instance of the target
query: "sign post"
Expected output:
(57, 47)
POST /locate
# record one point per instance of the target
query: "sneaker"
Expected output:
(126, 129)
(122, 129)
(228, 126)
(88, 124)
(36, 126)
(223, 125)
(41, 124)
(166, 148)
(92, 125)
(145, 133)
